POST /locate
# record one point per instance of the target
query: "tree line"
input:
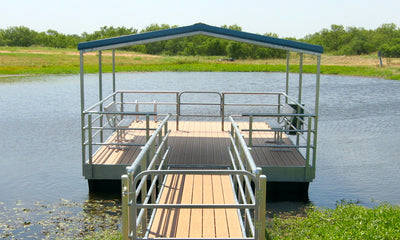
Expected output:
(337, 40)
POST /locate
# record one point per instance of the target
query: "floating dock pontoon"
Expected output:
(203, 173)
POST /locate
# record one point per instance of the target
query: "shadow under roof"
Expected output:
(199, 29)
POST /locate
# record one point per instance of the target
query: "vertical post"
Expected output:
(298, 110)
(316, 111)
(223, 111)
(132, 210)
(113, 71)
(308, 146)
(101, 93)
(137, 109)
(178, 110)
(262, 199)
(250, 131)
(82, 92)
(155, 110)
(125, 207)
(122, 103)
(147, 128)
(90, 151)
(287, 73)
(165, 133)
(300, 78)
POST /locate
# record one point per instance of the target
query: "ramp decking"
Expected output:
(196, 222)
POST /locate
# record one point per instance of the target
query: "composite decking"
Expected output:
(202, 143)
(196, 222)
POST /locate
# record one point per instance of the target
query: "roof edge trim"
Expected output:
(199, 28)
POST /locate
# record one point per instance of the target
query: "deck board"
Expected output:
(202, 143)
(197, 223)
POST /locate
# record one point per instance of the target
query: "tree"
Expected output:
(235, 50)
(19, 36)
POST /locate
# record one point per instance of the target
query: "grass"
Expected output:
(37, 60)
(101, 219)
(346, 221)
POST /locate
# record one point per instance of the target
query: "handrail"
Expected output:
(134, 184)
(241, 159)
(155, 150)
(236, 134)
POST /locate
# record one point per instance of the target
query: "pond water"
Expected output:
(40, 154)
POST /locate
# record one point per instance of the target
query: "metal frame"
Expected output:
(241, 159)
(305, 135)
(250, 204)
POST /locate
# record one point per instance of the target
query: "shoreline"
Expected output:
(20, 62)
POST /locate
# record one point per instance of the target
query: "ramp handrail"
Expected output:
(153, 153)
(241, 159)
(250, 202)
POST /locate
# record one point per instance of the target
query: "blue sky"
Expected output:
(287, 18)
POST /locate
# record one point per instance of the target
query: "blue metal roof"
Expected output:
(196, 29)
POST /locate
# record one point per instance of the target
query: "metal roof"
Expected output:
(199, 29)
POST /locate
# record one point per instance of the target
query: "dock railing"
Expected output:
(197, 104)
(300, 128)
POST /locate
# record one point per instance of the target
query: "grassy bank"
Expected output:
(346, 221)
(101, 219)
(14, 61)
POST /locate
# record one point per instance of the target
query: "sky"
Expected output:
(287, 18)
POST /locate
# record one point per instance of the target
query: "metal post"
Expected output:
(316, 111)
(300, 79)
(137, 110)
(125, 210)
(90, 152)
(299, 98)
(223, 111)
(147, 128)
(82, 92)
(262, 199)
(122, 103)
(178, 110)
(132, 207)
(287, 73)
(101, 93)
(308, 147)
(165, 133)
(113, 72)
(250, 131)
(155, 110)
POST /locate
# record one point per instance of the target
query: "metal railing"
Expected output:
(152, 156)
(241, 159)
(180, 105)
(250, 202)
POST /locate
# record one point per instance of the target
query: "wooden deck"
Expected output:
(197, 223)
(202, 143)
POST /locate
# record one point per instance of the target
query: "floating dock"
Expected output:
(195, 164)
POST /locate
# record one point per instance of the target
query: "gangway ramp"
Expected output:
(193, 222)
(194, 203)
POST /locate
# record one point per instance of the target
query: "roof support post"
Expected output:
(287, 74)
(317, 86)
(113, 72)
(101, 92)
(82, 92)
(300, 78)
